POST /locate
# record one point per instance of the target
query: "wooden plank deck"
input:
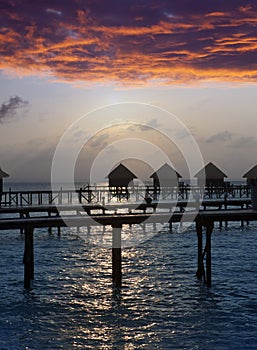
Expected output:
(115, 207)
(203, 219)
(90, 194)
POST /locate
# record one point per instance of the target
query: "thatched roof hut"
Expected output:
(165, 176)
(2, 175)
(120, 176)
(251, 174)
(210, 175)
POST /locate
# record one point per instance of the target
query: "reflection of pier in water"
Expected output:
(106, 194)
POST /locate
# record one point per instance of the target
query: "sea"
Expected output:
(161, 304)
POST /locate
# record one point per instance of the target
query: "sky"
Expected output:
(102, 76)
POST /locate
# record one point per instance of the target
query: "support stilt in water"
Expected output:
(49, 228)
(28, 258)
(21, 230)
(116, 256)
(209, 229)
(200, 267)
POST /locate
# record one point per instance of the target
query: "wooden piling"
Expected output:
(28, 258)
(203, 219)
(21, 230)
(49, 228)
(116, 256)
(200, 267)
(209, 229)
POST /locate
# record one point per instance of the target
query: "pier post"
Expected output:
(116, 256)
(28, 259)
(49, 228)
(21, 229)
(200, 268)
(209, 229)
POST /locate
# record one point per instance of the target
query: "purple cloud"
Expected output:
(131, 41)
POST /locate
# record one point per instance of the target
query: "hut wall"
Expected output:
(119, 182)
(211, 182)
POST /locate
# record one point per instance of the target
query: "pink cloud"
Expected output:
(130, 44)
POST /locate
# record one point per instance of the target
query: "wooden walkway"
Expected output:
(99, 194)
(181, 205)
(72, 216)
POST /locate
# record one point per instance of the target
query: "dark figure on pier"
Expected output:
(148, 199)
(225, 199)
(80, 195)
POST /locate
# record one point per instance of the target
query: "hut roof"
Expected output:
(210, 171)
(3, 174)
(252, 173)
(121, 171)
(165, 171)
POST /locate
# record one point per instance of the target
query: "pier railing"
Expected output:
(106, 194)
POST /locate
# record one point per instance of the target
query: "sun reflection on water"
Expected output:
(131, 235)
(109, 316)
(161, 305)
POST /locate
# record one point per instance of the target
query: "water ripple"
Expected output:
(161, 304)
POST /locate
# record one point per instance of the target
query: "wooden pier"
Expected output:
(49, 216)
(105, 194)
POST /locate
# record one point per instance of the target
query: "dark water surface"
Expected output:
(161, 305)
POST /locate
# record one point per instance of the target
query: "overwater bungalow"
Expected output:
(251, 175)
(3, 174)
(119, 179)
(165, 176)
(210, 175)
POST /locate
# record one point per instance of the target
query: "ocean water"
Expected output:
(161, 304)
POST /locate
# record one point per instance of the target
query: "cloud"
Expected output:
(139, 128)
(220, 137)
(130, 42)
(149, 126)
(245, 142)
(99, 141)
(9, 108)
(233, 140)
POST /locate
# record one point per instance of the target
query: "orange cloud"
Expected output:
(178, 48)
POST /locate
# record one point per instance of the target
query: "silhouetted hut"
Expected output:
(120, 176)
(165, 176)
(2, 175)
(119, 179)
(210, 175)
(251, 175)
